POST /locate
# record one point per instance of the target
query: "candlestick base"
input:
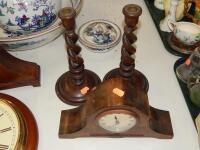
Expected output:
(73, 94)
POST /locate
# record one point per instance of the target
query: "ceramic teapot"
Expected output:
(25, 16)
(196, 17)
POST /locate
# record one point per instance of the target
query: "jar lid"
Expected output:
(99, 35)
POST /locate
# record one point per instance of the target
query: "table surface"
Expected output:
(151, 58)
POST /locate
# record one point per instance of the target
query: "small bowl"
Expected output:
(99, 35)
(14, 42)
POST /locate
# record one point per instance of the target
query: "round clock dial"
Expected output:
(117, 120)
(18, 128)
(9, 126)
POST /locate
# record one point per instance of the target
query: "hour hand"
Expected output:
(116, 120)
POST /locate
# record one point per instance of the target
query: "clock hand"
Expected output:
(116, 121)
(1, 115)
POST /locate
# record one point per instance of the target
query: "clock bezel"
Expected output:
(21, 134)
(29, 138)
(116, 111)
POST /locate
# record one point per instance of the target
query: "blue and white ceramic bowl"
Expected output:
(16, 42)
(26, 16)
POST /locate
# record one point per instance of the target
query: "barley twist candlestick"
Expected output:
(127, 65)
(73, 85)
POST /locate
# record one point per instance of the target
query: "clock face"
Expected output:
(9, 126)
(117, 120)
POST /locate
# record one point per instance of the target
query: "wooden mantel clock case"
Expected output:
(115, 109)
(15, 72)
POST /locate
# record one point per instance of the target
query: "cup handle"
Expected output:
(171, 25)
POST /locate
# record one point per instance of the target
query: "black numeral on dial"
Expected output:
(3, 147)
(5, 130)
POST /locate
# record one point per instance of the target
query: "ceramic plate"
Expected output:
(14, 42)
(99, 35)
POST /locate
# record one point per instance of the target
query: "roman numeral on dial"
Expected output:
(3, 147)
(5, 130)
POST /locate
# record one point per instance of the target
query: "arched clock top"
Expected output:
(118, 92)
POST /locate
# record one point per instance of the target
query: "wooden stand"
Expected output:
(127, 66)
(72, 86)
(16, 73)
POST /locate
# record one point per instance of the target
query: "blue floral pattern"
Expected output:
(12, 34)
(36, 22)
(101, 33)
(19, 45)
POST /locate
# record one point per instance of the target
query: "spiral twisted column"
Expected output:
(73, 85)
(127, 65)
(76, 63)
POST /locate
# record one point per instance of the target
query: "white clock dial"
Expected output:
(117, 121)
(9, 126)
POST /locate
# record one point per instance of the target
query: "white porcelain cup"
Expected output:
(25, 16)
(186, 32)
